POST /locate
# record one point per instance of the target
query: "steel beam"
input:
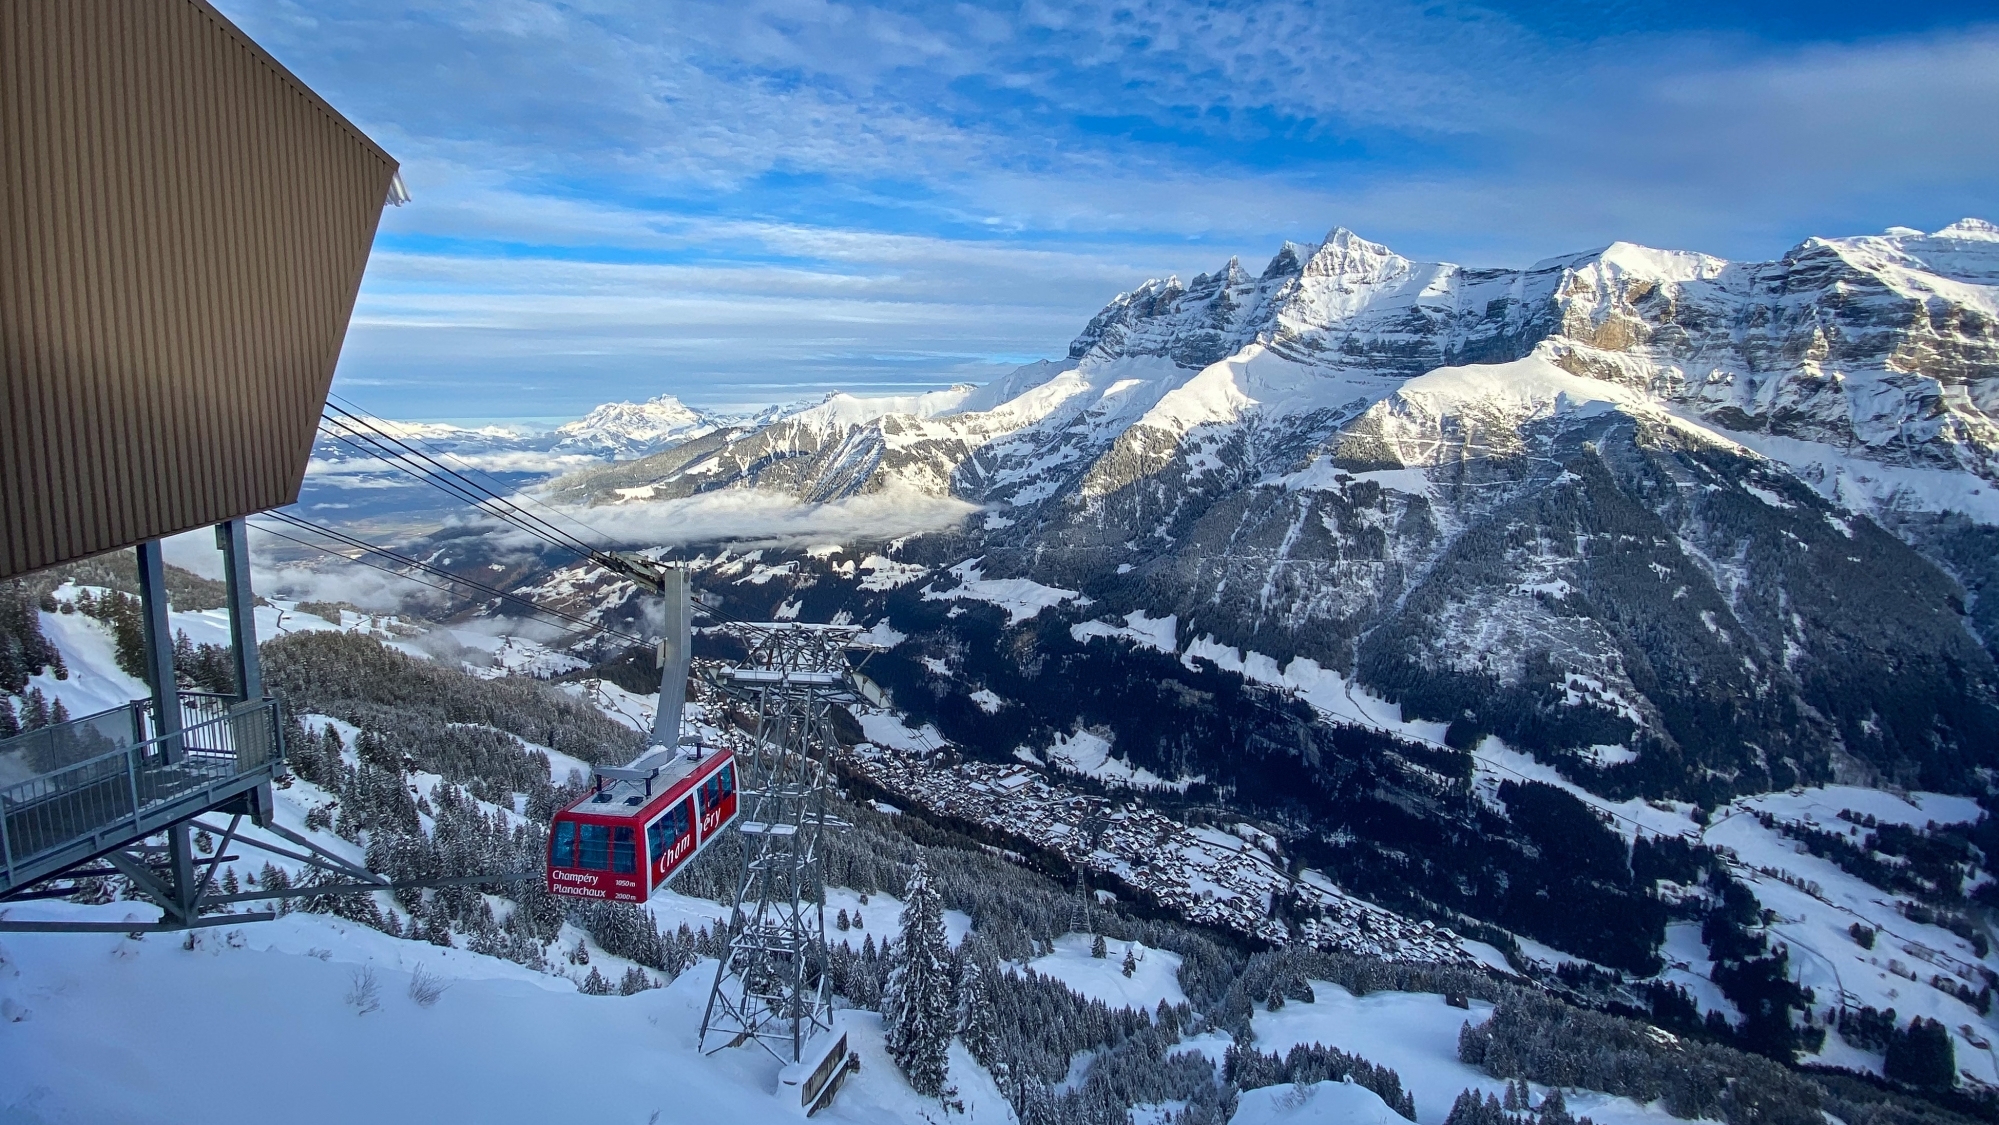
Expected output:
(232, 538)
(319, 857)
(143, 878)
(674, 652)
(153, 605)
(208, 922)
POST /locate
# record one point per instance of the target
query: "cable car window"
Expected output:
(596, 847)
(728, 776)
(563, 852)
(624, 852)
(668, 828)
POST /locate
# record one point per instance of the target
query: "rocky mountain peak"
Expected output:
(1289, 261)
(1969, 229)
(634, 429)
(1346, 254)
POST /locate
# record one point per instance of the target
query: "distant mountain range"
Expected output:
(1690, 524)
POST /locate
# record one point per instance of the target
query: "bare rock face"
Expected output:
(1887, 346)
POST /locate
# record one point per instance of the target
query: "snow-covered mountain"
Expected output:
(611, 432)
(619, 431)
(346, 482)
(1883, 347)
(1730, 520)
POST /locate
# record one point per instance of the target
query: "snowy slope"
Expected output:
(1294, 1104)
(1815, 906)
(1154, 978)
(503, 1043)
(253, 1022)
(1416, 1035)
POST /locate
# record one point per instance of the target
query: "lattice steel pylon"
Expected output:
(771, 984)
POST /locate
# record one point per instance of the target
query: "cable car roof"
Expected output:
(629, 790)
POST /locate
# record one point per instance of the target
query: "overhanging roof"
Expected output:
(184, 229)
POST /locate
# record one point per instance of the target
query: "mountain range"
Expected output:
(1687, 526)
(1520, 603)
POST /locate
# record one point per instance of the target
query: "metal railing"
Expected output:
(114, 772)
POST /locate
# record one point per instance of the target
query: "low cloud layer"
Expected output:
(753, 518)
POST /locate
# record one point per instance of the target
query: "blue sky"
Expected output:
(763, 200)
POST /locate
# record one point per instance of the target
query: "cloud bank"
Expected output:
(743, 517)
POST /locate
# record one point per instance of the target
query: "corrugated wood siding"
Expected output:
(183, 228)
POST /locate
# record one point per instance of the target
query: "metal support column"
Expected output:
(153, 606)
(233, 540)
(674, 652)
(159, 647)
(180, 867)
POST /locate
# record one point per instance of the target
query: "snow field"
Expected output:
(1313, 1103)
(1022, 598)
(1416, 1035)
(1813, 921)
(267, 1020)
(1825, 958)
(1326, 690)
(885, 729)
(1089, 753)
(883, 914)
(1824, 804)
(1156, 978)
(624, 707)
(1497, 762)
(1161, 634)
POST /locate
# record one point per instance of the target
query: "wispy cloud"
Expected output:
(617, 197)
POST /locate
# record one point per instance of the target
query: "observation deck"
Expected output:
(79, 789)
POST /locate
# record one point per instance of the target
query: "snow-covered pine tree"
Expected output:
(1098, 949)
(1130, 965)
(1470, 1109)
(917, 1003)
(976, 1019)
(34, 710)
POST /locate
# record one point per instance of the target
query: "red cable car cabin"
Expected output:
(642, 824)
